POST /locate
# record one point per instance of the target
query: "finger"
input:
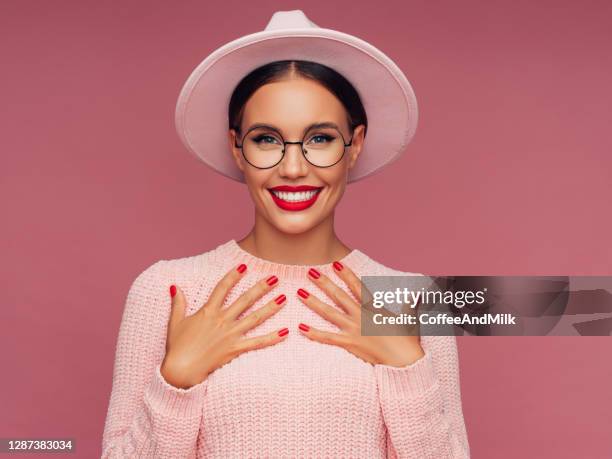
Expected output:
(353, 282)
(178, 306)
(224, 286)
(249, 344)
(257, 317)
(248, 298)
(337, 339)
(335, 293)
(326, 311)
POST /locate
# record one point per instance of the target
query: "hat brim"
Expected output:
(388, 98)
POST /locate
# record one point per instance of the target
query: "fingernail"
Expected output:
(279, 299)
(303, 293)
(314, 273)
(338, 266)
(304, 327)
(172, 290)
(241, 268)
(272, 280)
(283, 332)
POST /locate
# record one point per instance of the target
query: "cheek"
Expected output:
(337, 192)
(336, 181)
(333, 194)
(256, 179)
(256, 189)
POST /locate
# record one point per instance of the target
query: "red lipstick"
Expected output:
(285, 201)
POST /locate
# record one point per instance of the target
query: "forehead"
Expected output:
(291, 105)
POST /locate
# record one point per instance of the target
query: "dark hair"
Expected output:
(278, 70)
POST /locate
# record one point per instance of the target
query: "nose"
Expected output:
(294, 164)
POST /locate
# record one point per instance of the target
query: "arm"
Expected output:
(147, 417)
(421, 404)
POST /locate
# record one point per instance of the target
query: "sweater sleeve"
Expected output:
(421, 404)
(148, 417)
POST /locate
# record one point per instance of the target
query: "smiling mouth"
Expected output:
(295, 198)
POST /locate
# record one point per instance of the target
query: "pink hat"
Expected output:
(386, 94)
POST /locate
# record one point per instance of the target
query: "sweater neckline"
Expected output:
(236, 254)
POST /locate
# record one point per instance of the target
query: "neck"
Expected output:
(317, 246)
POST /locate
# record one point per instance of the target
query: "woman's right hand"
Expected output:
(211, 337)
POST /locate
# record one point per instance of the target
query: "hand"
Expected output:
(211, 337)
(396, 351)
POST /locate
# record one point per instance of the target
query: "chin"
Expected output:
(288, 226)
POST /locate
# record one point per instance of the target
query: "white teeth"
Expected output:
(298, 196)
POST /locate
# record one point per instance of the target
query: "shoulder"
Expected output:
(372, 267)
(181, 270)
(379, 279)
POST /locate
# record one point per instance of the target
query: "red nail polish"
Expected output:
(283, 332)
(303, 293)
(304, 327)
(272, 280)
(279, 299)
(172, 291)
(314, 273)
(338, 266)
(241, 268)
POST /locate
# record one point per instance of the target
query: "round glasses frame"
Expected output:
(285, 142)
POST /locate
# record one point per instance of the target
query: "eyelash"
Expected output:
(260, 137)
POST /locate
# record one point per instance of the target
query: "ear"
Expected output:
(356, 144)
(236, 152)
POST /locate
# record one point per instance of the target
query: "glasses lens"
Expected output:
(323, 147)
(262, 147)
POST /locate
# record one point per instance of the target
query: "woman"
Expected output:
(215, 368)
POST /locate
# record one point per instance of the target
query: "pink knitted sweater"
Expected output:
(297, 398)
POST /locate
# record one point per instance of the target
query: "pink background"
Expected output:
(509, 173)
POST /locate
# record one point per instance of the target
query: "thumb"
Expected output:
(178, 306)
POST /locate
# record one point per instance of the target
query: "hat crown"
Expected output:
(293, 19)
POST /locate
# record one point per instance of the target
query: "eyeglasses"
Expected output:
(264, 147)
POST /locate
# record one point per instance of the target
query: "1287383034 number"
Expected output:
(39, 445)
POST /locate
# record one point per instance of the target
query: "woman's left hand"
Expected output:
(398, 351)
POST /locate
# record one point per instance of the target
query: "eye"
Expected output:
(264, 138)
(320, 138)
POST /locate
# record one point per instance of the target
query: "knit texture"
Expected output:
(297, 398)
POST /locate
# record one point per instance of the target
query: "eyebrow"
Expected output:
(323, 124)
